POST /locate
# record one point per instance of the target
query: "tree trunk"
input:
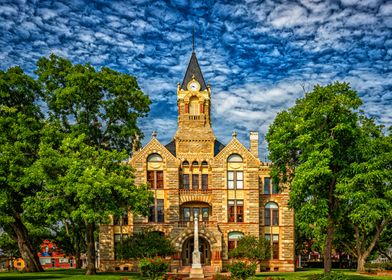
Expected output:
(91, 269)
(76, 246)
(78, 261)
(361, 263)
(26, 250)
(363, 255)
(328, 247)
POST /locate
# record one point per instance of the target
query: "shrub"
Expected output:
(218, 276)
(241, 270)
(172, 277)
(145, 244)
(328, 276)
(380, 266)
(153, 268)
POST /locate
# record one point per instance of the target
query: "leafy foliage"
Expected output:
(242, 270)
(153, 268)
(252, 249)
(8, 246)
(381, 266)
(366, 191)
(311, 146)
(85, 144)
(144, 244)
(104, 105)
(20, 127)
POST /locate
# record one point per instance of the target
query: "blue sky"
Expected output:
(258, 55)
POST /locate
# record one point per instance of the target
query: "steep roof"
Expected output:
(193, 70)
(218, 146)
(171, 147)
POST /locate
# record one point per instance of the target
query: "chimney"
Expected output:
(254, 143)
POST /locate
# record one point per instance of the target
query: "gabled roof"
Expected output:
(153, 146)
(171, 147)
(236, 147)
(218, 146)
(193, 70)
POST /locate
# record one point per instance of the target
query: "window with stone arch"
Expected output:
(233, 238)
(271, 214)
(194, 106)
(156, 182)
(235, 173)
(155, 171)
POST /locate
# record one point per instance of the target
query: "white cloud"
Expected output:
(288, 16)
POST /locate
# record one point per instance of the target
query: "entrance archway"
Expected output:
(204, 248)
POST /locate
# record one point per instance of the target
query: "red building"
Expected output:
(53, 257)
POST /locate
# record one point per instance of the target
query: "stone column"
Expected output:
(196, 270)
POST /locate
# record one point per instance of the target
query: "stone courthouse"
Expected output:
(226, 186)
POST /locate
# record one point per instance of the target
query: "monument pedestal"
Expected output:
(196, 273)
(196, 270)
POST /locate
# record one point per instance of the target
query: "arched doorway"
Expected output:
(204, 248)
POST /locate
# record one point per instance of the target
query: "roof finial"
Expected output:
(193, 40)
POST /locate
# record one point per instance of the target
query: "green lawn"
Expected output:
(302, 275)
(69, 274)
(79, 274)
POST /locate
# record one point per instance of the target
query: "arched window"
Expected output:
(235, 175)
(156, 181)
(204, 163)
(154, 158)
(233, 237)
(194, 106)
(271, 214)
(185, 163)
(155, 171)
(234, 158)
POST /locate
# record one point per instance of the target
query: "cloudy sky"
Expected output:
(258, 55)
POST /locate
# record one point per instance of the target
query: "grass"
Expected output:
(303, 274)
(69, 274)
(79, 274)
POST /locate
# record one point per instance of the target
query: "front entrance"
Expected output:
(204, 248)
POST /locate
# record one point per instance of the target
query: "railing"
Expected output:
(190, 224)
(193, 117)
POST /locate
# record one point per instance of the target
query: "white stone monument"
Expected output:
(196, 270)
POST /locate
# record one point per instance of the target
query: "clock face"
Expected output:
(194, 86)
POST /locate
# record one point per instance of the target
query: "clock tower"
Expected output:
(194, 133)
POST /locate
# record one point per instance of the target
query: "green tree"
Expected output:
(93, 119)
(94, 181)
(20, 126)
(383, 246)
(144, 244)
(104, 105)
(311, 146)
(8, 246)
(252, 248)
(250, 251)
(366, 191)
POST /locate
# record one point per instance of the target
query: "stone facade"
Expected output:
(227, 185)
